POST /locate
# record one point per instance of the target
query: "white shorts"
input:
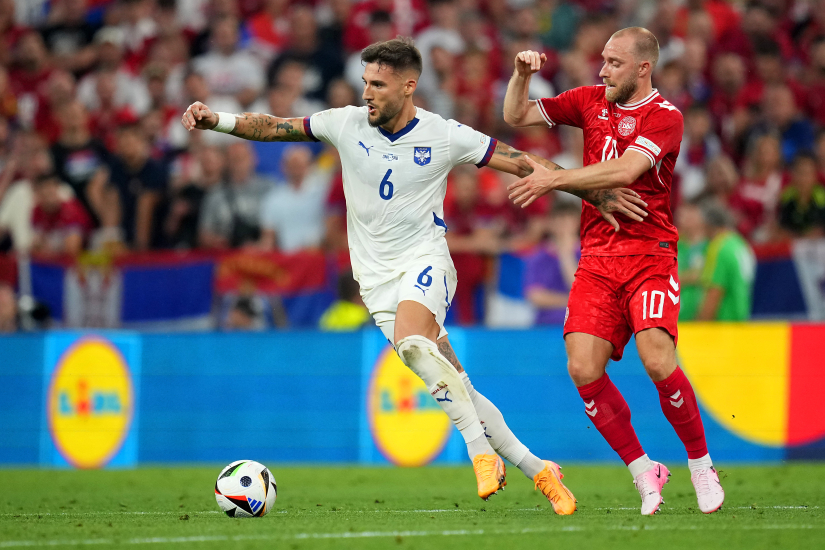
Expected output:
(429, 281)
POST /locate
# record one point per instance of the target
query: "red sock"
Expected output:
(679, 405)
(609, 412)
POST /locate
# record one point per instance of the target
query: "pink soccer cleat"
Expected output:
(649, 485)
(709, 492)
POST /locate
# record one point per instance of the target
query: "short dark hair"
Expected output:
(399, 54)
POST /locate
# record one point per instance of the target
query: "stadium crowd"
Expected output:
(93, 156)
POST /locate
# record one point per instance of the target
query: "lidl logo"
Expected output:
(407, 425)
(90, 403)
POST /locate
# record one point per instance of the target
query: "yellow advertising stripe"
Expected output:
(740, 373)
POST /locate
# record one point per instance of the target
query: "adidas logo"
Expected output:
(255, 505)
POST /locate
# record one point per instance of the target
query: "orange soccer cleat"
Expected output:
(548, 481)
(490, 474)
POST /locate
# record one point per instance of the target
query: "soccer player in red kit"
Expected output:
(627, 282)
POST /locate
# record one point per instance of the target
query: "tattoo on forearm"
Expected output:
(505, 151)
(447, 351)
(259, 127)
(596, 197)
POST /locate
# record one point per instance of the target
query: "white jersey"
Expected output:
(395, 184)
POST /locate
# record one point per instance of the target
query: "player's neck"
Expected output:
(400, 121)
(641, 92)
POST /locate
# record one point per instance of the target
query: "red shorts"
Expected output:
(614, 297)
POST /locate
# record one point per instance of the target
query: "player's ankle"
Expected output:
(640, 465)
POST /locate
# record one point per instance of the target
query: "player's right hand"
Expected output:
(199, 117)
(529, 62)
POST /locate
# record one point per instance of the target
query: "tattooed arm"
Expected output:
(607, 201)
(252, 126)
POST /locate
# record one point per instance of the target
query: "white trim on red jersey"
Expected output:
(546, 118)
(640, 103)
(645, 153)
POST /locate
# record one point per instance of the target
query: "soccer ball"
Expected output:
(245, 489)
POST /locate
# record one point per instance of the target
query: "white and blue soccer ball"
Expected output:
(246, 489)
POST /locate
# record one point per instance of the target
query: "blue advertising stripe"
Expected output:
(776, 289)
(168, 292)
(21, 385)
(286, 396)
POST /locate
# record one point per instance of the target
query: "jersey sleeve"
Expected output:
(661, 133)
(328, 125)
(566, 108)
(468, 146)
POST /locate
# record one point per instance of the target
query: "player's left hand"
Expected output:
(526, 190)
(624, 201)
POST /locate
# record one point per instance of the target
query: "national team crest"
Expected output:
(627, 125)
(423, 155)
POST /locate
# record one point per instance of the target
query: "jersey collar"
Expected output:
(636, 105)
(400, 133)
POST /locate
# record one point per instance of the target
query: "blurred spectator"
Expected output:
(729, 269)
(802, 203)
(187, 196)
(246, 313)
(475, 231)
(781, 117)
(693, 246)
(139, 27)
(8, 99)
(139, 182)
(8, 309)
(231, 211)
(269, 28)
(439, 44)
(699, 145)
(60, 226)
(348, 311)
(324, 62)
(58, 91)
(69, 36)
(757, 195)
(731, 100)
(30, 160)
(32, 68)
(292, 213)
(549, 272)
(79, 159)
(408, 18)
(380, 29)
(130, 90)
(228, 69)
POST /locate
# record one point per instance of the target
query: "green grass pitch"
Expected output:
(435, 507)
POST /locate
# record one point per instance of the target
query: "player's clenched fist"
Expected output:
(199, 117)
(529, 62)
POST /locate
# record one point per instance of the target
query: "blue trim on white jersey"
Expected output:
(439, 222)
(308, 130)
(489, 154)
(400, 133)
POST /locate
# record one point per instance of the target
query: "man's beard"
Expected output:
(622, 92)
(384, 115)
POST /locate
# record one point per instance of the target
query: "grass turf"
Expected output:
(355, 507)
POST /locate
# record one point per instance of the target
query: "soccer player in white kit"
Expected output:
(395, 159)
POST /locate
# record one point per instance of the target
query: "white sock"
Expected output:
(423, 358)
(640, 465)
(500, 437)
(702, 463)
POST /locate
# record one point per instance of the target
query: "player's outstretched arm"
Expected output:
(608, 201)
(610, 174)
(252, 126)
(518, 109)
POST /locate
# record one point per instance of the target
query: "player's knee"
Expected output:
(411, 348)
(583, 372)
(659, 368)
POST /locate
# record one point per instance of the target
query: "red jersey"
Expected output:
(652, 127)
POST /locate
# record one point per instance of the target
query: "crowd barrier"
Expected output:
(119, 398)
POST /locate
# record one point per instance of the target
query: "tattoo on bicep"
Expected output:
(447, 351)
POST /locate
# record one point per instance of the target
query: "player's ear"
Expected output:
(645, 68)
(410, 85)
